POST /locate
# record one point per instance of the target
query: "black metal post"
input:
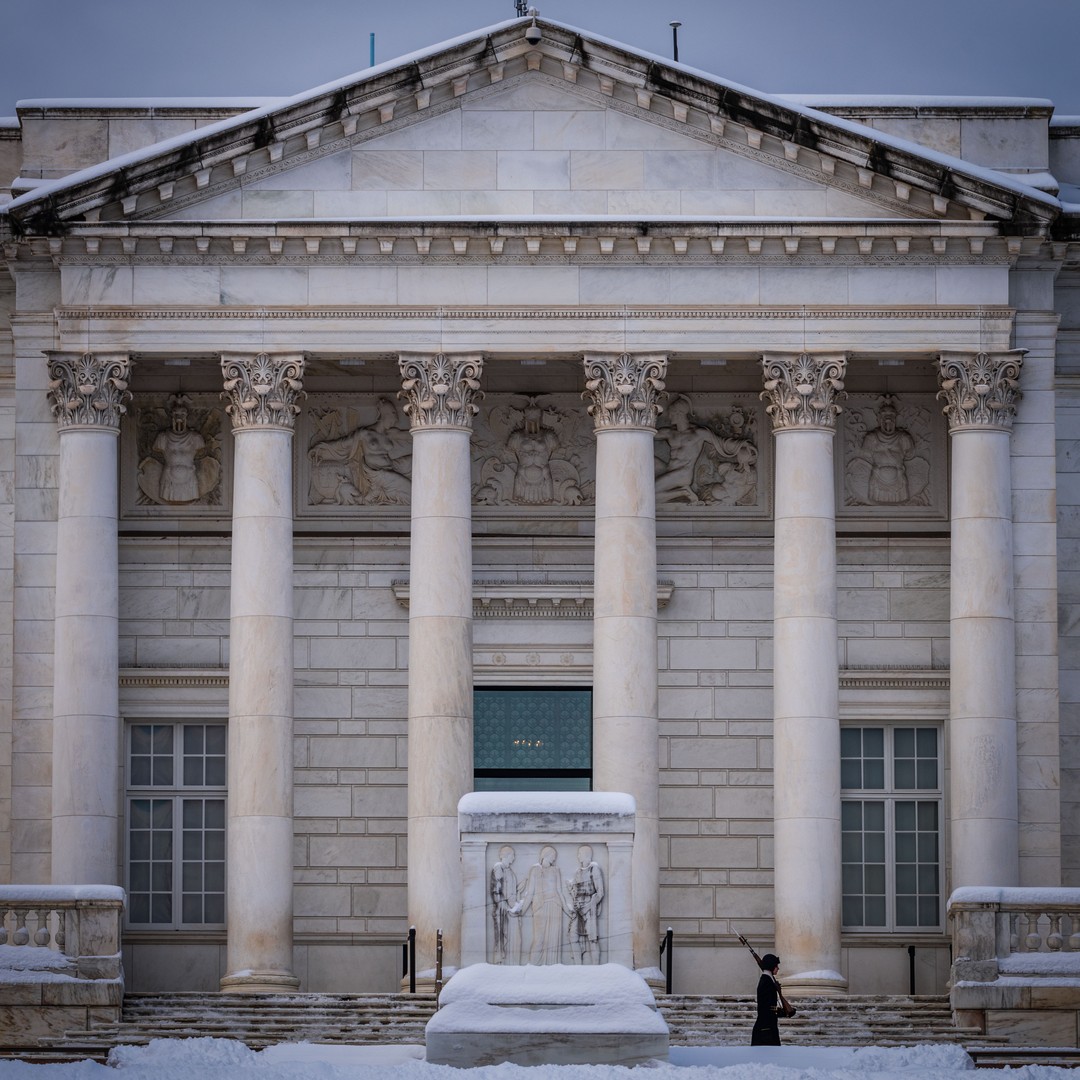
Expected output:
(675, 41)
(911, 969)
(404, 959)
(412, 959)
(438, 966)
(665, 947)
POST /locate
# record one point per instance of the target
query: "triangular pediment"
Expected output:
(529, 147)
(493, 126)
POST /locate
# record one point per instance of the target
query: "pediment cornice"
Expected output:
(812, 145)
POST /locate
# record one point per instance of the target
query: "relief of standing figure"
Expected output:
(542, 892)
(586, 891)
(503, 887)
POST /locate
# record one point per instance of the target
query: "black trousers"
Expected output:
(766, 1032)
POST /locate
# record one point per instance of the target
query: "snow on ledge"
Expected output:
(51, 894)
(611, 803)
(1028, 897)
(552, 984)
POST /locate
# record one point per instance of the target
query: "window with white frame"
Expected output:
(891, 817)
(175, 852)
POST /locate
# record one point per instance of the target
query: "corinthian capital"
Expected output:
(89, 389)
(981, 390)
(262, 389)
(438, 389)
(803, 390)
(625, 390)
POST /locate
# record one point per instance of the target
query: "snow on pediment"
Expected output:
(496, 125)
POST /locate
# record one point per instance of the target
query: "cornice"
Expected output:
(803, 313)
(894, 679)
(496, 599)
(163, 678)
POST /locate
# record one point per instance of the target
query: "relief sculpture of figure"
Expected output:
(530, 452)
(678, 479)
(885, 468)
(503, 888)
(542, 892)
(586, 892)
(180, 467)
(371, 465)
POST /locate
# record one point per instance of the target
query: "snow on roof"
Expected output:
(548, 802)
(9, 122)
(917, 101)
(149, 103)
(883, 138)
(1064, 121)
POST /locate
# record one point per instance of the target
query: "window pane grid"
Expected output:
(176, 843)
(891, 861)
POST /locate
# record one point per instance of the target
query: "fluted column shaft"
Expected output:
(624, 391)
(261, 391)
(981, 392)
(88, 393)
(438, 391)
(802, 394)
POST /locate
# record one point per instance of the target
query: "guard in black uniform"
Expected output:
(770, 1004)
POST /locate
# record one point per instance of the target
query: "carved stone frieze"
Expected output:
(802, 390)
(174, 454)
(706, 454)
(892, 457)
(262, 389)
(357, 454)
(533, 451)
(980, 390)
(625, 389)
(439, 389)
(89, 389)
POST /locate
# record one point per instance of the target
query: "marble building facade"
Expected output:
(331, 424)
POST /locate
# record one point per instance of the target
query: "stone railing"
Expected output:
(60, 967)
(1016, 963)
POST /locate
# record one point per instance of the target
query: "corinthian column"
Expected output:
(802, 392)
(261, 391)
(981, 393)
(625, 392)
(438, 391)
(87, 393)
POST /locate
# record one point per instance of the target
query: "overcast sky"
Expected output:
(185, 48)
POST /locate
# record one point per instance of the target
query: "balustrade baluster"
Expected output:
(1033, 940)
(41, 934)
(1054, 940)
(1014, 933)
(21, 935)
(4, 913)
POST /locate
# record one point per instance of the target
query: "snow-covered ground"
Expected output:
(220, 1059)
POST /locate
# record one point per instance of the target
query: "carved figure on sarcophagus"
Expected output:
(533, 451)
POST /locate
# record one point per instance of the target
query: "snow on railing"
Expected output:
(1015, 932)
(82, 922)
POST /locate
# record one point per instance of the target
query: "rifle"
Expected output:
(785, 1006)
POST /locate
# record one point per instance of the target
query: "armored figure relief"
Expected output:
(542, 893)
(585, 890)
(888, 460)
(703, 463)
(369, 466)
(531, 455)
(179, 465)
(506, 922)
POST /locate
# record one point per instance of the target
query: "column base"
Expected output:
(815, 984)
(260, 982)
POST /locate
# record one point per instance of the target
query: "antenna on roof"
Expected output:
(521, 8)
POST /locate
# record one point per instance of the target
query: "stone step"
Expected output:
(705, 1020)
